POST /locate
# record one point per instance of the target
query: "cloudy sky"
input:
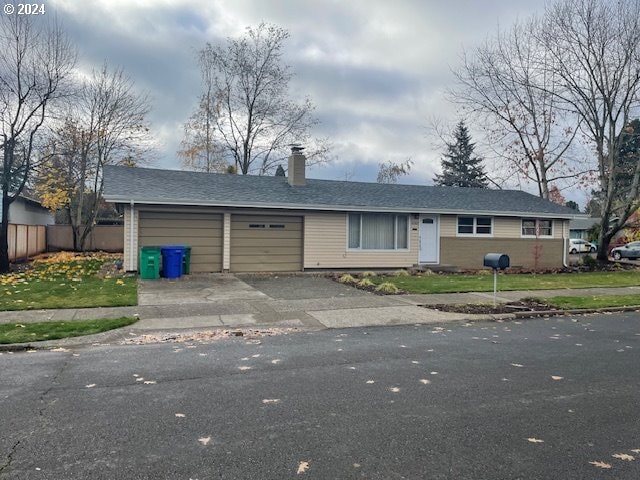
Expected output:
(376, 70)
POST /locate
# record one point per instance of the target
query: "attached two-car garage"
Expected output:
(258, 243)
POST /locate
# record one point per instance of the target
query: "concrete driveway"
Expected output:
(219, 300)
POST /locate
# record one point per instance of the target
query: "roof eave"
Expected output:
(346, 208)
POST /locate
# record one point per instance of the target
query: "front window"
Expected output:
(378, 231)
(475, 226)
(535, 227)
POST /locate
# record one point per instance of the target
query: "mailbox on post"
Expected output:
(496, 261)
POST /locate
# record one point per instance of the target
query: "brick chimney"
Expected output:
(297, 162)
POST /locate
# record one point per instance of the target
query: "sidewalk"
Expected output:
(334, 312)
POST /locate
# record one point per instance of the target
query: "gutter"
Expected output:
(344, 208)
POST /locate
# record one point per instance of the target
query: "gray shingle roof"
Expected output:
(146, 185)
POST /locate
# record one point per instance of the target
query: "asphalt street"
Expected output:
(535, 399)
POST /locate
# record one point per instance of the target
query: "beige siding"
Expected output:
(325, 236)
(469, 252)
(131, 239)
(226, 242)
(266, 243)
(201, 231)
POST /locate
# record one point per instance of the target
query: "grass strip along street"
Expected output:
(35, 332)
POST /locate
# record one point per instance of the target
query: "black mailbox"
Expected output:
(496, 261)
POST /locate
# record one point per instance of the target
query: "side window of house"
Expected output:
(481, 226)
(532, 227)
(378, 231)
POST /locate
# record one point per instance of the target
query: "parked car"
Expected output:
(630, 250)
(577, 245)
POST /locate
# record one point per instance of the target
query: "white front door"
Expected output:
(429, 240)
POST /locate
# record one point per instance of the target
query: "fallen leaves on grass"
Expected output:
(600, 464)
(302, 467)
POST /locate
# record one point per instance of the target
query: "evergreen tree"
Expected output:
(460, 167)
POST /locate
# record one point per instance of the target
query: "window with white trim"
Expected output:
(378, 231)
(472, 226)
(537, 227)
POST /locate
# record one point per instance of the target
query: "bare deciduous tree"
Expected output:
(595, 46)
(509, 88)
(35, 61)
(105, 125)
(256, 119)
(200, 149)
(389, 172)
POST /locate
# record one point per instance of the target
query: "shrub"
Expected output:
(369, 274)
(365, 282)
(401, 273)
(428, 272)
(387, 287)
(484, 272)
(589, 262)
(346, 278)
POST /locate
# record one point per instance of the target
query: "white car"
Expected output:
(577, 245)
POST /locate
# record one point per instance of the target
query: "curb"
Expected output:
(119, 333)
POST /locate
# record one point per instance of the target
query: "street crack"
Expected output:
(9, 457)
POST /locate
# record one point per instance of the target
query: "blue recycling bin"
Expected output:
(172, 260)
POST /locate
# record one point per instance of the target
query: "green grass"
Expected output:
(67, 280)
(453, 283)
(597, 301)
(66, 293)
(36, 332)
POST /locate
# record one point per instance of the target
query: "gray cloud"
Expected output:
(376, 70)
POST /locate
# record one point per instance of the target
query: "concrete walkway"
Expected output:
(314, 302)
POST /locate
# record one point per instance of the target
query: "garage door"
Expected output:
(261, 243)
(201, 231)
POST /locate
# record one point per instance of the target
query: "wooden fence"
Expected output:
(26, 241)
(108, 238)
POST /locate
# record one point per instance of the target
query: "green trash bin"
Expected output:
(186, 260)
(150, 263)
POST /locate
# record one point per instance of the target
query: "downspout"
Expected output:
(131, 230)
(564, 246)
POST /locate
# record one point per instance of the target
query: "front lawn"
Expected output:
(454, 283)
(68, 280)
(597, 301)
(36, 332)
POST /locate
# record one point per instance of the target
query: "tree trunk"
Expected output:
(4, 232)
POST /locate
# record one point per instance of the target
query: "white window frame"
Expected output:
(537, 227)
(395, 236)
(475, 227)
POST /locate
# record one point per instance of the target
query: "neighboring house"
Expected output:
(256, 223)
(580, 227)
(27, 211)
